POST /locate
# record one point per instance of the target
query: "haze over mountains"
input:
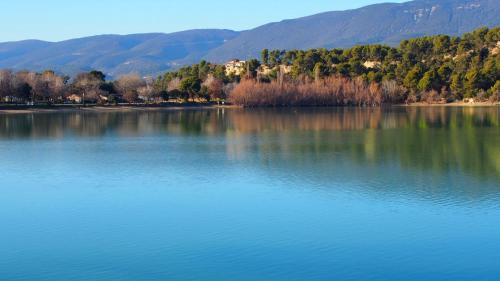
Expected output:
(114, 54)
(151, 54)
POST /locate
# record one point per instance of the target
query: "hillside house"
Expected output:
(235, 67)
(372, 64)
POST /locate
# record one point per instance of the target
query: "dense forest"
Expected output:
(430, 69)
(434, 69)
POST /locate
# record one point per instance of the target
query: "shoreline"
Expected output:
(22, 109)
(102, 108)
(451, 104)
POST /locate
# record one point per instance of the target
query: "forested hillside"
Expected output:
(154, 53)
(435, 69)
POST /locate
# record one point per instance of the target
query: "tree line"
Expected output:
(433, 68)
(92, 87)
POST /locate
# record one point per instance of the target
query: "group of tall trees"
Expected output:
(428, 68)
(25, 85)
(432, 68)
(48, 87)
(455, 67)
(203, 82)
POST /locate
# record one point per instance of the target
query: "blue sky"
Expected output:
(56, 20)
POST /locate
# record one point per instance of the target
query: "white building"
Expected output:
(235, 67)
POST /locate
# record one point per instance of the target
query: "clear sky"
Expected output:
(56, 20)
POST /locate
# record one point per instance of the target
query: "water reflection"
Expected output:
(435, 139)
(309, 194)
(95, 124)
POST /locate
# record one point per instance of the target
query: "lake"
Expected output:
(251, 194)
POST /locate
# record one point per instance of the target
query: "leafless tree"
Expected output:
(54, 86)
(215, 88)
(6, 83)
(128, 86)
(392, 91)
(146, 93)
(88, 86)
(174, 84)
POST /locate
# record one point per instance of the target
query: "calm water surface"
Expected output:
(312, 194)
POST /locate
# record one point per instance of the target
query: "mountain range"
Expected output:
(153, 53)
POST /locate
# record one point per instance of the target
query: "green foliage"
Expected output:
(251, 68)
(375, 76)
(275, 58)
(426, 67)
(320, 71)
(264, 57)
(464, 66)
(457, 85)
(191, 86)
(413, 77)
(495, 89)
(430, 81)
(98, 75)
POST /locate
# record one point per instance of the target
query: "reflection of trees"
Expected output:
(437, 138)
(92, 124)
(433, 139)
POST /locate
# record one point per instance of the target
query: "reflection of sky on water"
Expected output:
(310, 194)
(435, 149)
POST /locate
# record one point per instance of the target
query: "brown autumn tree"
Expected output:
(215, 88)
(128, 86)
(88, 85)
(6, 81)
(53, 86)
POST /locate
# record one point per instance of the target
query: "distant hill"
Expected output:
(114, 54)
(380, 23)
(150, 54)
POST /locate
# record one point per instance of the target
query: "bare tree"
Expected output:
(392, 92)
(228, 89)
(174, 84)
(39, 88)
(88, 85)
(146, 93)
(22, 90)
(6, 83)
(54, 86)
(215, 88)
(128, 86)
